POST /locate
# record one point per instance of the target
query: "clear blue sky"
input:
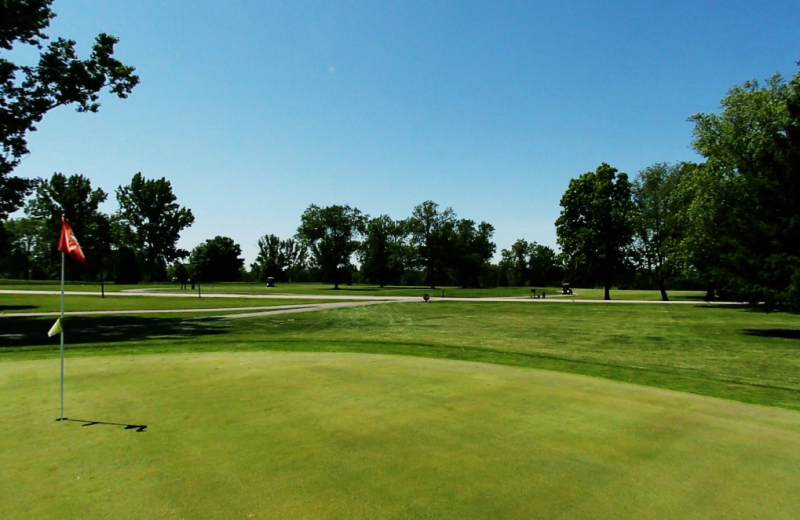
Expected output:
(255, 109)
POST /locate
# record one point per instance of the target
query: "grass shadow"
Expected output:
(4, 308)
(108, 331)
(774, 333)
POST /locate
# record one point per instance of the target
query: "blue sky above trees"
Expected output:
(254, 110)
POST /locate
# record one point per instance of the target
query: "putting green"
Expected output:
(320, 435)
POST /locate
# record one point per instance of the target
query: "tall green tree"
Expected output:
(516, 262)
(472, 250)
(74, 198)
(216, 260)
(269, 262)
(294, 255)
(545, 266)
(751, 149)
(24, 235)
(383, 252)
(279, 259)
(58, 78)
(595, 226)
(332, 234)
(432, 236)
(653, 221)
(150, 222)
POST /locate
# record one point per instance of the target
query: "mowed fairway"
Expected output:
(332, 435)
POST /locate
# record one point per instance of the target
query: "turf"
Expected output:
(287, 435)
(360, 290)
(734, 353)
(22, 303)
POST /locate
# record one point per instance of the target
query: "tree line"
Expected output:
(729, 224)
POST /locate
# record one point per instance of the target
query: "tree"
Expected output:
(431, 237)
(383, 252)
(595, 227)
(74, 198)
(28, 92)
(293, 254)
(179, 273)
(472, 250)
(545, 267)
(216, 260)
(24, 236)
(279, 259)
(652, 190)
(331, 235)
(269, 262)
(516, 262)
(151, 222)
(751, 149)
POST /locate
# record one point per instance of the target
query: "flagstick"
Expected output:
(61, 416)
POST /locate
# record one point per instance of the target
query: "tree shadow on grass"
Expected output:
(774, 333)
(6, 308)
(109, 331)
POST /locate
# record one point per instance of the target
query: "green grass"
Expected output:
(359, 290)
(20, 303)
(283, 435)
(733, 353)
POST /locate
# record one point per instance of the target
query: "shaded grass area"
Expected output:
(732, 353)
(13, 303)
(364, 290)
(321, 435)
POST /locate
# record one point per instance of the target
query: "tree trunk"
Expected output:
(709, 297)
(660, 283)
(606, 295)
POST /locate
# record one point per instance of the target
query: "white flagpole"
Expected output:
(61, 416)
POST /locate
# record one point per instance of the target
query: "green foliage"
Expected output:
(431, 236)
(654, 223)
(530, 264)
(24, 235)
(385, 252)
(216, 260)
(74, 198)
(150, 222)
(595, 227)
(127, 270)
(746, 199)
(472, 249)
(279, 259)
(331, 235)
(179, 272)
(59, 78)
(545, 266)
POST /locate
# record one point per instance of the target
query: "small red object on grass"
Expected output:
(426, 297)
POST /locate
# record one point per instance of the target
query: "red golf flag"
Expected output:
(69, 244)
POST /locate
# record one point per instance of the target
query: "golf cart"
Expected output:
(565, 289)
(270, 281)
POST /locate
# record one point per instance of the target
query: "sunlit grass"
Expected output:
(281, 435)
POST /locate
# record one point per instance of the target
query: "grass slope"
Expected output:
(282, 435)
(724, 352)
(360, 290)
(18, 303)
